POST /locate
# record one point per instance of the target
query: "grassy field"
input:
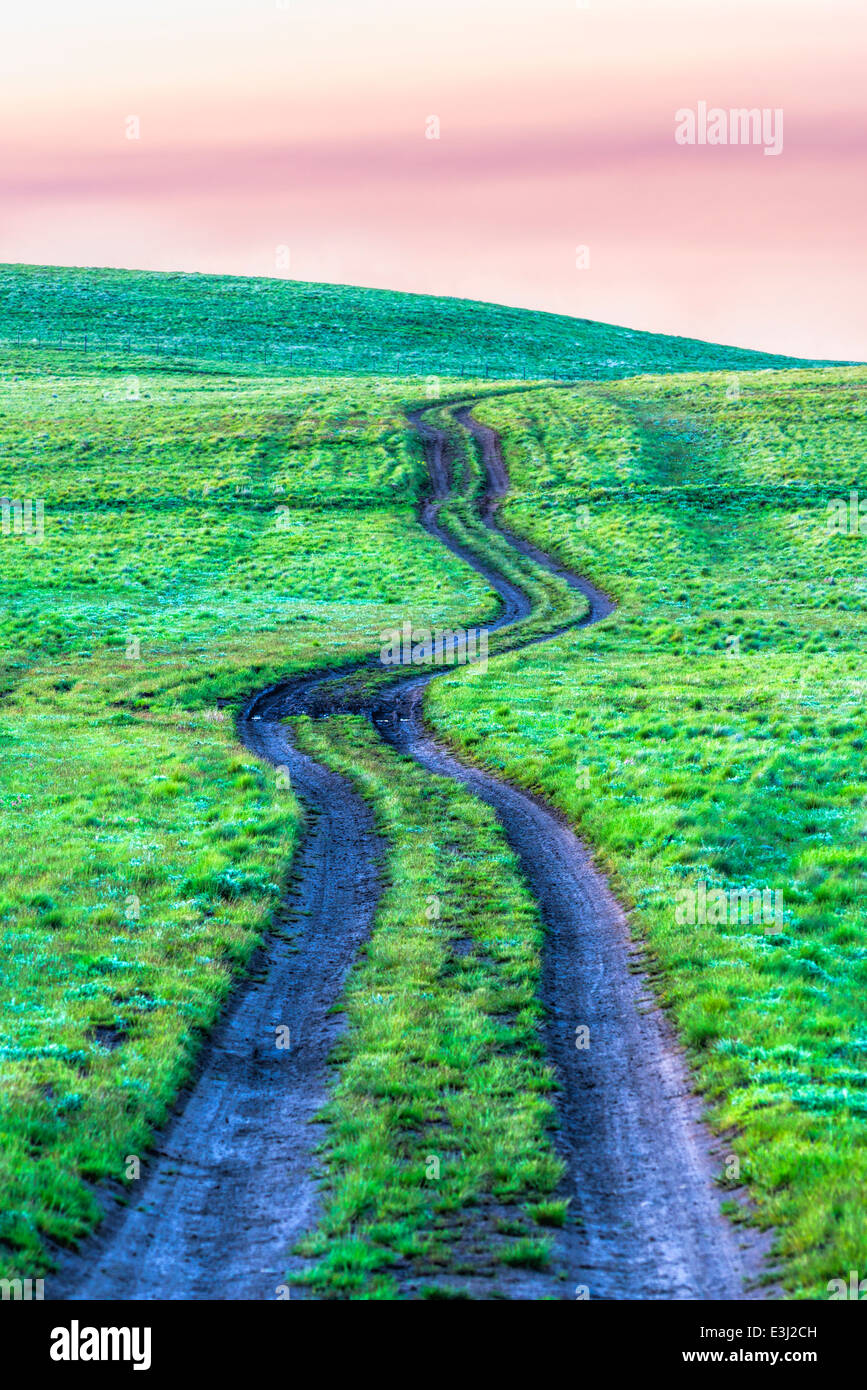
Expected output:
(208, 528)
(711, 732)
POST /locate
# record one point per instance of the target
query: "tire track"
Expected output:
(645, 1214)
(232, 1185)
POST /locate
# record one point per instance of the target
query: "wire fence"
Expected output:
(358, 356)
(296, 359)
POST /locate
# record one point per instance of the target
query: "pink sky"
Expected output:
(301, 123)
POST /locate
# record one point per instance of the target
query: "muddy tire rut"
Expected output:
(232, 1184)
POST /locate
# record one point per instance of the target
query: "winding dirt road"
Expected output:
(232, 1184)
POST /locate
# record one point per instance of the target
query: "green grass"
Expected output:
(209, 508)
(140, 861)
(685, 758)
